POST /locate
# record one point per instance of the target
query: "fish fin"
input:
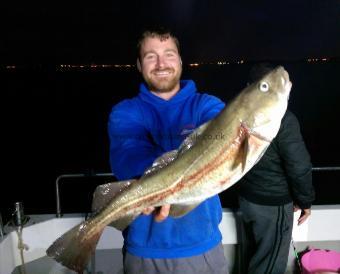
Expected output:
(161, 162)
(179, 210)
(103, 194)
(192, 138)
(170, 156)
(257, 142)
(122, 223)
(250, 143)
(241, 157)
(74, 248)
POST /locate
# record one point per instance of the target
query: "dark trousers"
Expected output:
(211, 262)
(267, 237)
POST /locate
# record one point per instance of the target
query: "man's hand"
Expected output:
(161, 213)
(304, 214)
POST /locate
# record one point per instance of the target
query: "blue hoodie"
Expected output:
(140, 130)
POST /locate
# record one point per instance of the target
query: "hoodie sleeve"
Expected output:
(297, 163)
(211, 106)
(131, 147)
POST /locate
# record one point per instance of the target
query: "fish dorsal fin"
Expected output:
(179, 210)
(170, 156)
(192, 138)
(161, 162)
(103, 194)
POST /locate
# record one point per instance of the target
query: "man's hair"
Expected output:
(259, 70)
(159, 32)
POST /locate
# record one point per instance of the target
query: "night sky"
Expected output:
(105, 31)
(54, 122)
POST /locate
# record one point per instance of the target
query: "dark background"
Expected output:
(54, 118)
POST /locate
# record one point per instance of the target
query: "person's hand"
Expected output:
(305, 213)
(161, 213)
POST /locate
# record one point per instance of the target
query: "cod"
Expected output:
(210, 160)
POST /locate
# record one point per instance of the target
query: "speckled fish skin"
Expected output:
(224, 150)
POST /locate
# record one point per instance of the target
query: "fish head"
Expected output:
(266, 102)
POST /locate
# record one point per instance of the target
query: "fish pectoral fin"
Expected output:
(122, 223)
(243, 148)
(257, 143)
(179, 210)
(250, 144)
(103, 194)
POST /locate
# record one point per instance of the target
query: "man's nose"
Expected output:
(160, 62)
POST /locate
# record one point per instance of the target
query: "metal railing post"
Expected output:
(76, 175)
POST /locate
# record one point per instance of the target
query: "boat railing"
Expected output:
(61, 178)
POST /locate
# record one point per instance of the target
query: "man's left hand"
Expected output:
(161, 213)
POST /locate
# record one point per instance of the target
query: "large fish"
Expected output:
(210, 160)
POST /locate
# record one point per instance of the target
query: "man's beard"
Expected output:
(164, 85)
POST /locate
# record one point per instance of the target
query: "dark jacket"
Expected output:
(284, 173)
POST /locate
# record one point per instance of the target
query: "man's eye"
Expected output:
(150, 57)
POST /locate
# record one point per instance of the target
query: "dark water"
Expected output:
(54, 123)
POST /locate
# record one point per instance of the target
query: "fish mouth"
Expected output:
(285, 81)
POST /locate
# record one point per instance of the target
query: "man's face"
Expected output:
(160, 64)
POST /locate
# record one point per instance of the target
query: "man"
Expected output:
(165, 111)
(280, 183)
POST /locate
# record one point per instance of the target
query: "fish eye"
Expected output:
(264, 86)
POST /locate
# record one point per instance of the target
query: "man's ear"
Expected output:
(139, 66)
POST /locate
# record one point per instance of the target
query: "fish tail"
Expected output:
(74, 248)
